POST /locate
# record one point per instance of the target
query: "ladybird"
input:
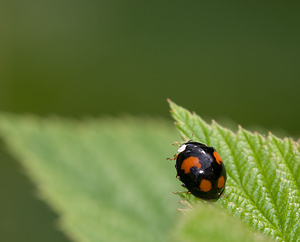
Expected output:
(201, 170)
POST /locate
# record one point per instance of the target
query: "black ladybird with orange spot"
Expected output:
(201, 169)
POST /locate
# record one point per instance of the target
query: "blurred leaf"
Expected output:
(263, 182)
(210, 224)
(107, 178)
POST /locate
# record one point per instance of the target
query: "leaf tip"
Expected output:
(170, 102)
(171, 105)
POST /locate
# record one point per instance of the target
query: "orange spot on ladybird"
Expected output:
(190, 162)
(221, 182)
(217, 157)
(205, 185)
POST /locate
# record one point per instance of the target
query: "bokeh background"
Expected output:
(226, 60)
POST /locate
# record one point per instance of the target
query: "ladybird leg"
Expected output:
(173, 158)
(224, 195)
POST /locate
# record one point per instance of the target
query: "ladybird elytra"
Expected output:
(201, 170)
(221, 182)
(205, 185)
(190, 162)
(217, 157)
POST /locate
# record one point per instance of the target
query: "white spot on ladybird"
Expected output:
(182, 148)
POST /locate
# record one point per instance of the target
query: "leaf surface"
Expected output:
(108, 179)
(262, 187)
(211, 224)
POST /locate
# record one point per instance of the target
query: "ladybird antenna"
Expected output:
(192, 136)
(187, 140)
(176, 143)
(190, 139)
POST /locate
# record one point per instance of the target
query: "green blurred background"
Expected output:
(236, 60)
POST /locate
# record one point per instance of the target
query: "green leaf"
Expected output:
(211, 224)
(108, 179)
(262, 187)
